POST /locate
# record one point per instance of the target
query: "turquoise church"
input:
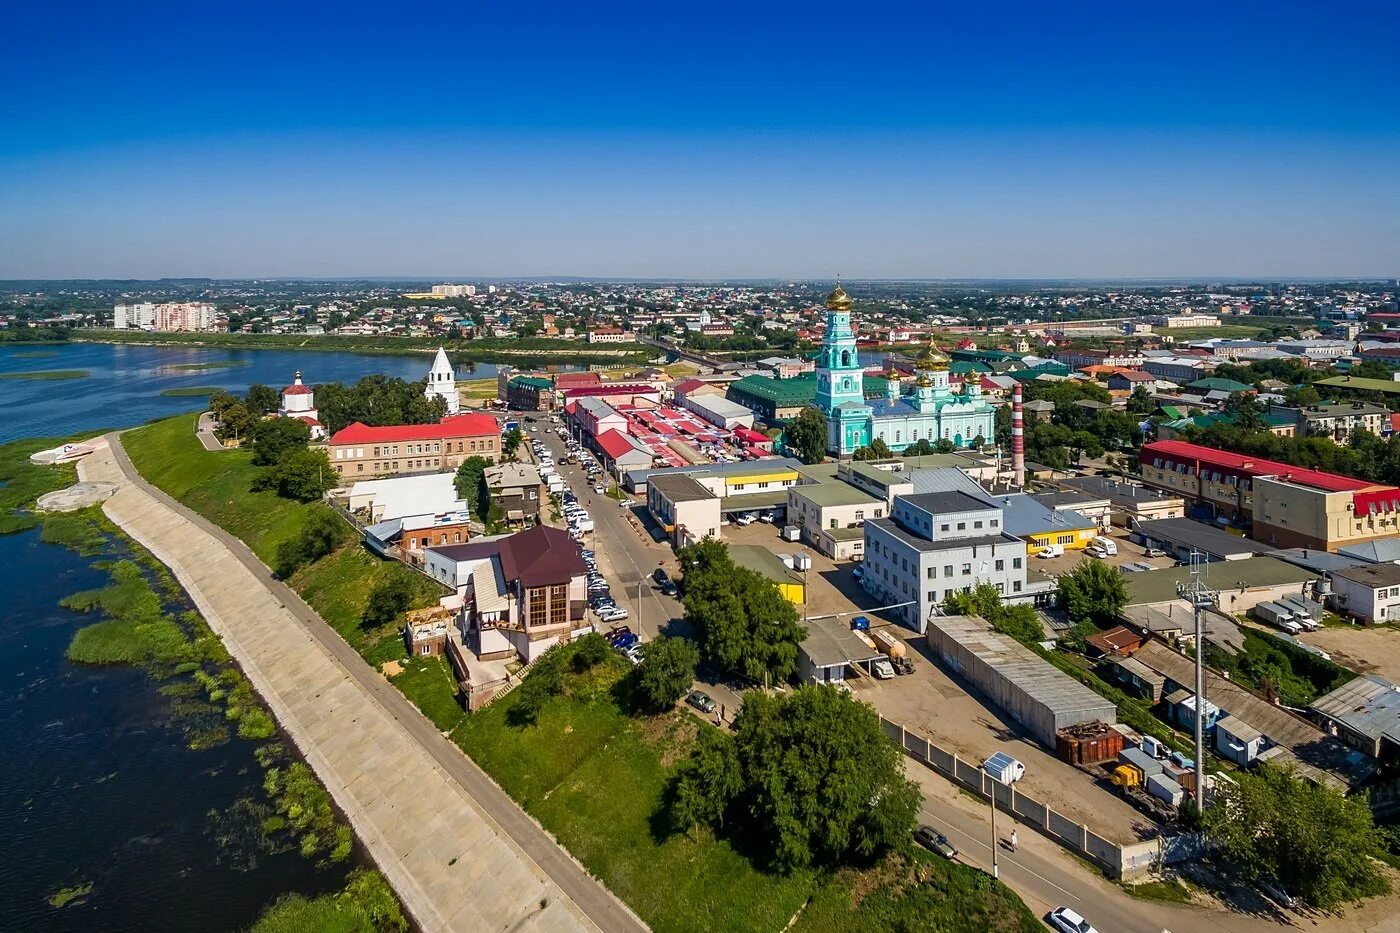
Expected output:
(932, 412)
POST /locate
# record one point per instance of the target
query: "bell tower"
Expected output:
(839, 375)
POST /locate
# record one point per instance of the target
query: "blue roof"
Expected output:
(1022, 515)
(884, 408)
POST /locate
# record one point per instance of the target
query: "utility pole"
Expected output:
(1201, 597)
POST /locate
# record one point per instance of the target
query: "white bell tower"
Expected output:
(442, 383)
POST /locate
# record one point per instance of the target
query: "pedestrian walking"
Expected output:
(1014, 840)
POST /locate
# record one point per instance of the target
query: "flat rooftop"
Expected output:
(827, 495)
(1159, 586)
(680, 488)
(1186, 532)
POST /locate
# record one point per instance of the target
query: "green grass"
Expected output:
(135, 631)
(1166, 891)
(21, 482)
(595, 777)
(428, 683)
(217, 485)
(75, 894)
(45, 375)
(190, 392)
(75, 530)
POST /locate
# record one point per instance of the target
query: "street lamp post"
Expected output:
(1201, 597)
(988, 772)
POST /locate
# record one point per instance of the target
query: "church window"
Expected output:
(845, 358)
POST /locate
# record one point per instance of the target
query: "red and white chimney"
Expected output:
(1018, 439)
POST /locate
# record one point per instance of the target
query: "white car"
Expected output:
(1067, 921)
(746, 518)
(613, 614)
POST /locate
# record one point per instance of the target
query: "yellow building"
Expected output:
(1041, 526)
(765, 562)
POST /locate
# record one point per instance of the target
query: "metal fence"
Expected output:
(1120, 861)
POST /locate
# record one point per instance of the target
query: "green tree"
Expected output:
(471, 486)
(1320, 844)
(321, 534)
(219, 402)
(666, 672)
(1247, 412)
(273, 437)
(707, 783)
(1018, 620)
(1140, 402)
(262, 400)
(589, 651)
(944, 446)
(389, 599)
(876, 450)
(510, 443)
(236, 422)
(823, 784)
(1093, 591)
(302, 474)
(806, 434)
(745, 625)
(920, 448)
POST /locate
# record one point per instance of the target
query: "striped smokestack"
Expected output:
(1018, 440)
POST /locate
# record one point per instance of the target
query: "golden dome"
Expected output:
(924, 381)
(931, 360)
(838, 300)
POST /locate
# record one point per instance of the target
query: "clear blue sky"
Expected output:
(746, 140)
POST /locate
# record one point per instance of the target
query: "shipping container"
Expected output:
(1164, 788)
(1146, 766)
(1089, 743)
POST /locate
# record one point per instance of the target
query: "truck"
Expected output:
(1165, 789)
(1302, 614)
(888, 643)
(1275, 614)
(791, 533)
(1003, 768)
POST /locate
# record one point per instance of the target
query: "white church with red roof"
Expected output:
(299, 401)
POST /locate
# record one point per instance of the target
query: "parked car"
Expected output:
(660, 575)
(669, 588)
(618, 633)
(701, 701)
(767, 516)
(858, 571)
(934, 841)
(613, 614)
(626, 641)
(634, 654)
(1067, 920)
(745, 518)
(861, 624)
(1275, 892)
(1154, 552)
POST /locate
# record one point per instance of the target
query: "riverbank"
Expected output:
(530, 351)
(144, 623)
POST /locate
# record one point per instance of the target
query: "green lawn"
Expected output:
(217, 484)
(595, 777)
(428, 683)
(21, 482)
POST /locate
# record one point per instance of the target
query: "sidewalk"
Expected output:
(458, 851)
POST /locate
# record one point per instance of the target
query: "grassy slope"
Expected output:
(216, 484)
(595, 777)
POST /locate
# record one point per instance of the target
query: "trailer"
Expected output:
(889, 643)
(1272, 613)
(1088, 743)
(1165, 789)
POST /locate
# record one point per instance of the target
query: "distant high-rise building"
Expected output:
(134, 316)
(185, 316)
(454, 291)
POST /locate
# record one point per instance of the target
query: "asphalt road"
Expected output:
(599, 904)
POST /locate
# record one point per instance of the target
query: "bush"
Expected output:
(389, 599)
(273, 438)
(666, 672)
(589, 651)
(322, 532)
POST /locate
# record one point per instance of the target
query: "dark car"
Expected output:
(623, 642)
(669, 588)
(617, 633)
(660, 576)
(934, 841)
(701, 701)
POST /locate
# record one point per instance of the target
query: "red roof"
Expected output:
(464, 425)
(563, 381)
(614, 443)
(1254, 466)
(629, 388)
(1135, 375)
(297, 390)
(690, 385)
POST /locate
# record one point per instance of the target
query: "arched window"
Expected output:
(845, 357)
(846, 384)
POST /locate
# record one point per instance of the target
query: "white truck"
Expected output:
(1277, 615)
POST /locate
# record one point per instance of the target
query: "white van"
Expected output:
(1105, 544)
(1054, 550)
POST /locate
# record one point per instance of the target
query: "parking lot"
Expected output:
(1128, 553)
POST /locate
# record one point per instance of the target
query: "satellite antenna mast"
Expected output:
(1201, 597)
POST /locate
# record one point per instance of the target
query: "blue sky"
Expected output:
(747, 140)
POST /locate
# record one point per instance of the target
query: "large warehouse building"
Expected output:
(1021, 684)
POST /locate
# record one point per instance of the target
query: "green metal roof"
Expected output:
(1213, 384)
(1361, 384)
(1159, 586)
(799, 390)
(763, 561)
(531, 382)
(833, 494)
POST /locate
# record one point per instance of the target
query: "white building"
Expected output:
(442, 382)
(403, 496)
(1170, 321)
(134, 316)
(454, 291)
(195, 317)
(1370, 593)
(299, 401)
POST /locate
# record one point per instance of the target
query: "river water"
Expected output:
(97, 786)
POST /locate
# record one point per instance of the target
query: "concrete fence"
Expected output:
(1119, 861)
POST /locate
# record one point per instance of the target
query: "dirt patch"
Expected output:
(391, 669)
(672, 735)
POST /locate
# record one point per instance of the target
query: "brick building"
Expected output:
(361, 451)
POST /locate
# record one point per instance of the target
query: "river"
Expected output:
(99, 787)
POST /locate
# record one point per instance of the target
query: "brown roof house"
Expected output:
(521, 594)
